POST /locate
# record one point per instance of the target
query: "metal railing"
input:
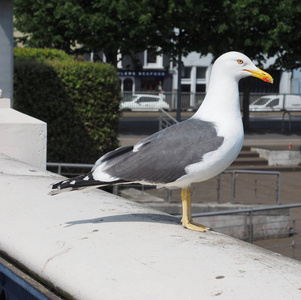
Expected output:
(256, 188)
(60, 166)
(249, 211)
(220, 190)
(189, 100)
(291, 231)
(165, 119)
(289, 120)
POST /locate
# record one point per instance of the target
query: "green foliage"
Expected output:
(119, 26)
(84, 26)
(78, 100)
(243, 26)
(41, 54)
(254, 27)
(45, 24)
(286, 34)
(186, 25)
(258, 27)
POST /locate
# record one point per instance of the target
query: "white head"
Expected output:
(222, 97)
(237, 65)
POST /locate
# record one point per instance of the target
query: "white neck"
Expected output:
(222, 99)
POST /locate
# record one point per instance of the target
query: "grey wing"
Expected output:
(163, 157)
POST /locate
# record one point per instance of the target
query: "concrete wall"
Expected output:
(265, 226)
(280, 158)
(95, 245)
(22, 137)
(6, 48)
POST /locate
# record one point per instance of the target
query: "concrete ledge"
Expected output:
(280, 157)
(266, 223)
(98, 246)
(4, 102)
(23, 137)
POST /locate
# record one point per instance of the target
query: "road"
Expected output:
(148, 123)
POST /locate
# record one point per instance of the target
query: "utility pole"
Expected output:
(178, 117)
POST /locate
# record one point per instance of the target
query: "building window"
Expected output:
(185, 88)
(128, 85)
(152, 60)
(186, 72)
(151, 84)
(200, 88)
(201, 72)
(151, 56)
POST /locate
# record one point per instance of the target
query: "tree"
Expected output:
(261, 29)
(176, 27)
(251, 26)
(286, 34)
(44, 24)
(125, 27)
(186, 25)
(79, 26)
(245, 26)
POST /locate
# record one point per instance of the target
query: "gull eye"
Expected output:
(240, 61)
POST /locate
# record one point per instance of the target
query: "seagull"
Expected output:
(194, 150)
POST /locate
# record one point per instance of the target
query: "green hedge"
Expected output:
(78, 100)
(41, 54)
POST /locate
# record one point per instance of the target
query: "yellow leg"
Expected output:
(186, 218)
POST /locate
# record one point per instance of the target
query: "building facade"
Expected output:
(145, 72)
(148, 72)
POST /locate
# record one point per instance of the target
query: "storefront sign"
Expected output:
(142, 73)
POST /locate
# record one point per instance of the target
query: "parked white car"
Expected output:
(144, 102)
(277, 103)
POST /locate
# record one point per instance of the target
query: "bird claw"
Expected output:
(195, 226)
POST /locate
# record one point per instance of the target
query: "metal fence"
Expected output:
(68, 169)
(189, 100)
(166, 120)
(229, 186)
(267, 186)
(287, 230)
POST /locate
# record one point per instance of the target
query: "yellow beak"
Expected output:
(261, 75)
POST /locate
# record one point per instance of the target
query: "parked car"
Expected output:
(276, 103)
(144, 103)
